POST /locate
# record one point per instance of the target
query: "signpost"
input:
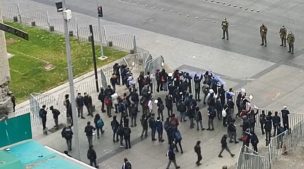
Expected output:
(14, 31)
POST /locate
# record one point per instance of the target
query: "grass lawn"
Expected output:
(28, 66)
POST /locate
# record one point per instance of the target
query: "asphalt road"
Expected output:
(199, 21)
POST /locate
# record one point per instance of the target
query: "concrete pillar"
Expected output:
(5, 100)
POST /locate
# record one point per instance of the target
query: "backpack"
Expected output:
(126, 131)
(120, 130)
(41, 113)
(67, 133)
(100, 123)
(161, 107)
(177, 135)
(107, 101)
(128, 165)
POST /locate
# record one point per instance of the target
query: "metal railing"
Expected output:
(249, 159)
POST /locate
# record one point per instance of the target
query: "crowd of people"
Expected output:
(183, 94)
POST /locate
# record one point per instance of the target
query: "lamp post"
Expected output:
(100, 15)
(67, 16)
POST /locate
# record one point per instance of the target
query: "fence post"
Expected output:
(19, 12)
(48, 19)
(134, 44)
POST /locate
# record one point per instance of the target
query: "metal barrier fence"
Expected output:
(46, 20)
(279, 145)
(249, 159)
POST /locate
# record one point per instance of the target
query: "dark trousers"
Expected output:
(102, 106)
(283, 40)
(161, 115)
(44, 124)
(127, 142)
(268, 135)
(225, 32)
(210, 124)
(80, 111)
(180, 146)
(109, 110)
(133, 120)
(90, 140)
(89, 109)
(199, 158)
(69, 144)
(262, 128)
(170, 111)
(291, 47)
(153, 133)
(197, 94)
(264, 40)
(255, 147)
(56, 122)
(144, 131)
(93, 163)
(225, 148)
(115, 135)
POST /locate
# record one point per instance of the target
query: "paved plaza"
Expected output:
(191, 40)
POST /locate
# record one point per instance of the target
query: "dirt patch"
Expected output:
(49, 67)
(11, 41)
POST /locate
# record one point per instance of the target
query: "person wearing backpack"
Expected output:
(55, 113)
(43, 115)
(67, 133)
(171, 156)
(98, 124)
(197, 150)
(178, 140)
(127, 136)
(91, 154)
(126, 164)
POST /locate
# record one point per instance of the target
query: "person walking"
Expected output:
(232, 132)
(283, 33)
(87, 100)
(55, 113)
(169, 104)
(197, 150)
(79, 105)
(225, 25)
(152, 124)
(268, 127)
(127, 136)
(126, 164)
(92, 156)
(263, 33)
(98, 124)
(224, 146)
(178, 140)
(285, 112)
(291, 40)
(276, 121)
(115, 125)
(43, 115)
(172, 158)
(89, 132)
(160, 108)
(67, 133)
(254, 141)
(262, 121)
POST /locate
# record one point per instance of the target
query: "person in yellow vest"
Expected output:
(291, 40)
(283, 34)
(225, 25)
(263, 33)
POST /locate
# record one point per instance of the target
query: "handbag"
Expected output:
(224, 113)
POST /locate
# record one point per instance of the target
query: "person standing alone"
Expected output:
(225, 25)
(197, 150)
(263, 33)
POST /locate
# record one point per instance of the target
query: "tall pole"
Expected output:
(94, 57)
(99, 32)
(71, 82)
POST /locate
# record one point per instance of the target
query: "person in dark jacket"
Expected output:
(197, 150)
(144, 124)
(254, 141)
(171, 156)
(224, 146)
(101, 97)
(98, 124)
(182, 109)
(79, 105)
(67, 133)
(169, 104)
(92, 156)
(55, 113)
(211, 115)
(285, 112)
(197, 86)
(160, 108)
(159, 129)
(280, 136)
(168, 128)
(43, 115)
(199, 119)
(178, 140)
(268, 127)
(276, 121)
(89, 132)
(232, 132)
(68, 107)
(127, 136)
(262, 121)
(115, 125)
(87, 100)
(152, 126)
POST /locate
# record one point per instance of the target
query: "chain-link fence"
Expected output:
(54, 22)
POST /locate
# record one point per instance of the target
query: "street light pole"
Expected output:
(99, 29)
(66, 17)
(94, 57)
